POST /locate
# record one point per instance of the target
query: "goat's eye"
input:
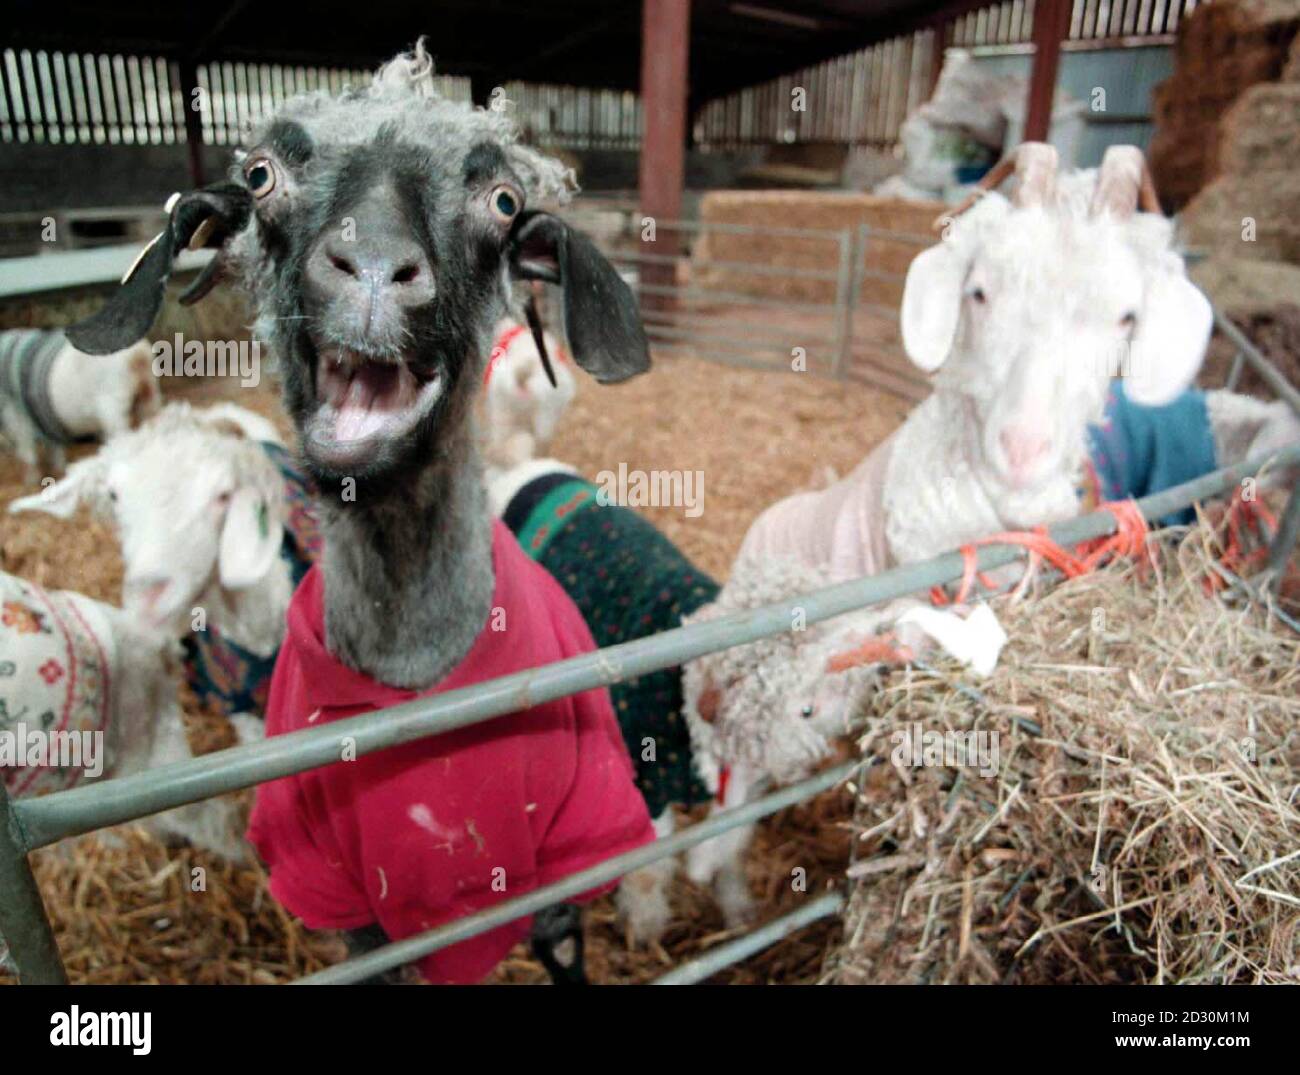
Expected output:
(807, 711)
(112, 495)
(977, 295)
(504, 203)
(260, 176)
(1129, 320)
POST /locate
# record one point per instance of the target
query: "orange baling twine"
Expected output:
(1129, 539)
(1244, 517)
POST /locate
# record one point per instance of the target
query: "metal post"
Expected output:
(1272, 376)
(843, 304)
(1234, 374)
(1051, 24)
(1288, 531)
(23, 922)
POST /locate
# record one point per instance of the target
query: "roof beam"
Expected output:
(872, 32)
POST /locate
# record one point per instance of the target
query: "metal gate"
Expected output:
(813, 312)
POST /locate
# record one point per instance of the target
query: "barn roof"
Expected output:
(594, 43)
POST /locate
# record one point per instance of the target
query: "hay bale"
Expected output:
(1258, 181)
(1148, 834)
(1222, 50)
(1244, 286)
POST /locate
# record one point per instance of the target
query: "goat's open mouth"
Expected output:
(365, 401)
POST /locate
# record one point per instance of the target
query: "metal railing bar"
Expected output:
(828, 234)
(1284, 541)
(24, 926)
(413, 948)
(735, 355)
(111, 802)
(739, 266)
(1270, 374)
(741, 360)
(726, 955)
(794, 339)
(736, 297)
(1234, 374)
(763, 355)
(722, 319)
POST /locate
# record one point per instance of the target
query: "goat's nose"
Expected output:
(1023, 447)
(395, 270)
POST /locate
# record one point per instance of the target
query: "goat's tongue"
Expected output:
(375, 393)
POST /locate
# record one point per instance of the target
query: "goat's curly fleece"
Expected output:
(26, 358)
(756, 723)
(402, 98)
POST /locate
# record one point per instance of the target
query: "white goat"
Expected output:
(522, 409)
(52, 394)
(89, 693)
(1027, 309)
(201, 510)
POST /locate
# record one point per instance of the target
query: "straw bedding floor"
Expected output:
(127, 909)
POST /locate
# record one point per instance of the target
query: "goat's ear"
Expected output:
(62, 497)
(932, 305)
(250, 540)
(1169, 346)
(205, 217)
(600, 312)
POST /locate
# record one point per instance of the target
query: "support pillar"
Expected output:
(193, 120)
(1051, 24)
(665, 45)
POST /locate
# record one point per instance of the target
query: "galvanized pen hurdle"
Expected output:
(28, 824)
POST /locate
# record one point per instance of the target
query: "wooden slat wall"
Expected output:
(574, 117)
(863, 98)
(82, 98)
(858, 99)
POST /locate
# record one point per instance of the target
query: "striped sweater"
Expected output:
(26, 356)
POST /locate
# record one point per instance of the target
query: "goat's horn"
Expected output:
(1035, 166)
(1124, 184)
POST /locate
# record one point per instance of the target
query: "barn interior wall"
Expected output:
(1129, 76)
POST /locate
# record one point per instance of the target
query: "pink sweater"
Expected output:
(841, 527)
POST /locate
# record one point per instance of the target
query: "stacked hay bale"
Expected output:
(1223, 49)
(1142, 824)
(1225, 149)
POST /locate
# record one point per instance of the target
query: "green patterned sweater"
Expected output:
(628, 581)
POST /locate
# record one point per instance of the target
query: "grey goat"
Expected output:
(379, 233)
